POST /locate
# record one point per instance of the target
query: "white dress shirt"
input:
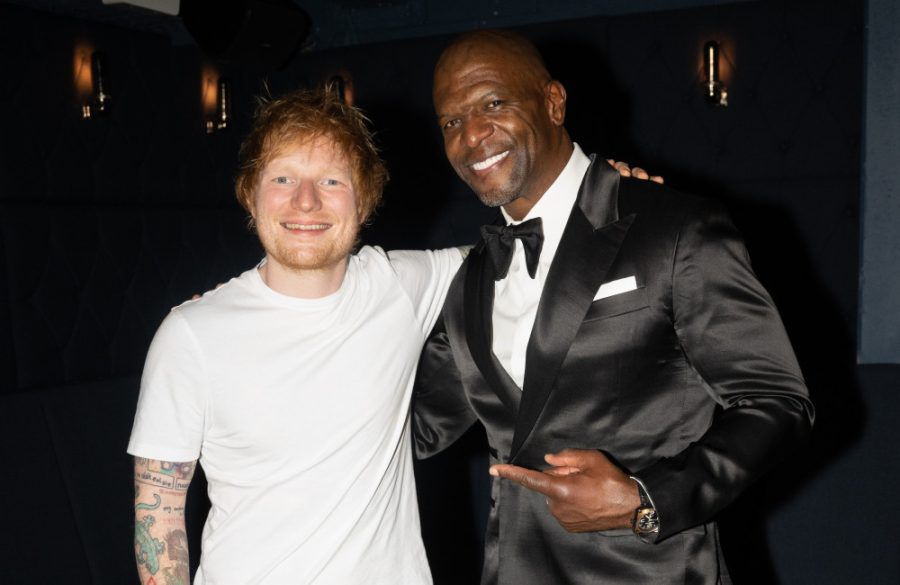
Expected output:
(516, 297)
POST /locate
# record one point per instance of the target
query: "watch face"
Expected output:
(646, 521)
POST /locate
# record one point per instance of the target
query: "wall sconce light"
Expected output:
(91, 81)
(222, 113)
(100, 101)
(216, 101)
(341, 85)
(715, 92)
(335, 86)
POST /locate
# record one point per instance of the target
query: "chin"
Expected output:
(498, 192)
(304, 262)
(496, 198)
(320, 258)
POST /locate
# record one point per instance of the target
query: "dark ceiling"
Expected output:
(338, 23)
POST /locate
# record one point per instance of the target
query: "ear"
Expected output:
(360, 216)
(254, 196)
(555, 95)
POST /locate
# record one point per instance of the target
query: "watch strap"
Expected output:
(645, 522)
(646, 500)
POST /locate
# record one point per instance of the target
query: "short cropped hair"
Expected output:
(303, 115)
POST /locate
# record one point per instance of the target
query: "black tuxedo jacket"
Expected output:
(688, 382)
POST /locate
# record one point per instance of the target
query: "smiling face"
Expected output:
(305, 210)
(501, 118)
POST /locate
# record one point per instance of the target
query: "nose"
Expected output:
(476, 129)
(306, 197)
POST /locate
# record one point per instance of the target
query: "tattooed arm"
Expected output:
(160, 540)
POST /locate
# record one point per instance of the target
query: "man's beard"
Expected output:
(309, 258)
(497, 197)
(506, 193)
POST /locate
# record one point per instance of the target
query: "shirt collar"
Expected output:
(556, 203)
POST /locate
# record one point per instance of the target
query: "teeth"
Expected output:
(306, 227)
(480, 166)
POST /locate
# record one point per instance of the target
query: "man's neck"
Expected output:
(518, 208)
(303, 283)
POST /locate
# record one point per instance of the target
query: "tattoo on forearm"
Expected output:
(142, 506)
(160, 541)
(165, 474)
(147, 548)
(177, 545)
(177, 510)
(176, 576)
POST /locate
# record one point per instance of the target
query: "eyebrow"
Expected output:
(494, 92)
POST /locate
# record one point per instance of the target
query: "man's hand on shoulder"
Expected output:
(585, 491)
(196, 296)
(637, 172)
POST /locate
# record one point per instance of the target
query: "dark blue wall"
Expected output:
(879, 282)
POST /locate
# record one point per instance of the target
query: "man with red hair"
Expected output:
(291, 383)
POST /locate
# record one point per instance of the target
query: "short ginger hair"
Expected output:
(299, 117)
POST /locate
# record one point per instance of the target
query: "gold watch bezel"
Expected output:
(645, 521)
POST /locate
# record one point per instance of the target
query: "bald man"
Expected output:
(632, 374)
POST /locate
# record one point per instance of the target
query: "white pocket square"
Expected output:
(616, 287)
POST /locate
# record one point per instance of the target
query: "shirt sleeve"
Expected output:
(170, 417)
(425, 276)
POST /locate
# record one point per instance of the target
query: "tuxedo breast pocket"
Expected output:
(619, 304)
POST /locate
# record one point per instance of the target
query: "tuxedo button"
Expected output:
(493, 502)
(493, 452)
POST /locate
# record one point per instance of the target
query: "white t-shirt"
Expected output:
(298, 410)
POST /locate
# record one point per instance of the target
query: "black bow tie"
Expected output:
(501, 241)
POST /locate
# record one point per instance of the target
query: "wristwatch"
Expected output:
(645, 521)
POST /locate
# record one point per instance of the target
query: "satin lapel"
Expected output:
(478, 304)
(582, 260)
